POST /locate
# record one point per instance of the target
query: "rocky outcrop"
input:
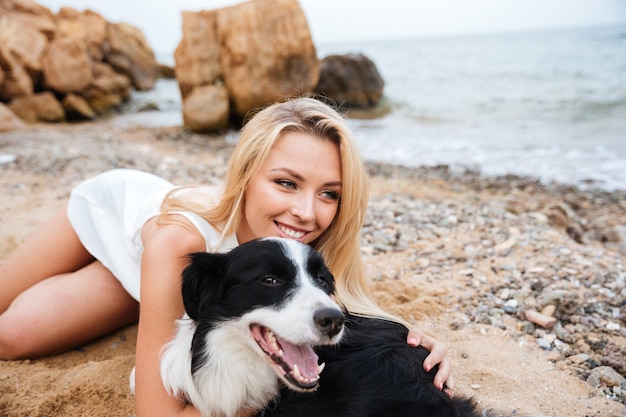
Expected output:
(72, 64)
(8, 120)
(351, 80)
(257, 51)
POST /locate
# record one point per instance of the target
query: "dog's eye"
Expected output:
(270, 280)
(321, 281)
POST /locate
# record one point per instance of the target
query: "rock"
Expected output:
(66, 63)
(540, 319)
(94, 30)
(607, 376)
(22, 38)
(42, 107)
(350, 80)
(261, 51)
(108, 88)
(195, 113)
(17, 81)
(166, 71)
(77, 107)
(197, 56)
(266, 53)
(8, 120)
(548, 310)
(615, 237)
(131, 55)
(504, 248)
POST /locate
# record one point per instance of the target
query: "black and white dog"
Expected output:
(254, 316)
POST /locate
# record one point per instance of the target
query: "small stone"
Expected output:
(608, 376)
(510, 306)
(544, 344)
(612, 326)
(539, 319)
(593, 381)
(527, 327)
(579, 358)
(504, 248)
(548, 310)
(475, 386)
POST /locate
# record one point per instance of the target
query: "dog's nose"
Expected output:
(329, 321)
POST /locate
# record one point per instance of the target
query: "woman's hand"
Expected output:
(438, 356)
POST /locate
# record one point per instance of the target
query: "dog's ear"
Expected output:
(202, 281)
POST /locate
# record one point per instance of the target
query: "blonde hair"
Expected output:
(339, 244)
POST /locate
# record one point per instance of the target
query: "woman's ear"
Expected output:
(202, 281)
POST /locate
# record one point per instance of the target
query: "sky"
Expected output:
(336, 21)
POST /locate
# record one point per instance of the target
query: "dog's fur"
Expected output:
(224, 356)
(215, 363)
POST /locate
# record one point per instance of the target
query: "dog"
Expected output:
(253, 311)
(252, 318)
(372, 372)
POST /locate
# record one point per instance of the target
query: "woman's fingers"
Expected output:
(438, 356)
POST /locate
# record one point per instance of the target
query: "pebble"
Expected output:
(540, 319)
(607, 376)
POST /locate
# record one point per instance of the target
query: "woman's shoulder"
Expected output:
(175, 234)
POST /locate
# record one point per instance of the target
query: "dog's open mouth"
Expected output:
(295, 364)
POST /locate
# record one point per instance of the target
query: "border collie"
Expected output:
(252, 317)
(373, 372)
(256, 312)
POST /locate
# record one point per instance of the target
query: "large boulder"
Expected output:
(66, 63)
(23, 39)
(352, 80)
(108, 89)
(267, 52)
(197, 56)
(40, 107)
(195, 114)
(130, 55)
(260, 51)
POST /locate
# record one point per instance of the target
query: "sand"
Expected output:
(502, 368)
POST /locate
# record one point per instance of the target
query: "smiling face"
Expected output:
(296, 191)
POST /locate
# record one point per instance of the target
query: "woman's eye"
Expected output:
(331, 195)
(286, 183)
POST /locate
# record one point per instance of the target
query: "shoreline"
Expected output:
(464, 257)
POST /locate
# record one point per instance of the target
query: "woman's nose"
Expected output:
(303, 207)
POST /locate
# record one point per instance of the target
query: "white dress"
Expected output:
(108, 212)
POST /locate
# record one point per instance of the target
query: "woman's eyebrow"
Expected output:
(301, 178)
(289, 171)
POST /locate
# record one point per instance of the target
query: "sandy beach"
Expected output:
(462, 257)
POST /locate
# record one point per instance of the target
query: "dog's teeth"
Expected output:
(296, 373)
(321, 367)
(271, 340)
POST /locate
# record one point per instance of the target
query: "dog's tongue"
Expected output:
(303, 356)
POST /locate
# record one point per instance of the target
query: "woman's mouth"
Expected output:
(289, 232)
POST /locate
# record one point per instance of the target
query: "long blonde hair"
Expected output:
(340, 242)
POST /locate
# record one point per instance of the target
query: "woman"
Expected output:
(123, 237)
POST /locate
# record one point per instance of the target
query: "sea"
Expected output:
(549, 105)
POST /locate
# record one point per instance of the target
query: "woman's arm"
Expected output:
(438, 356)
(163, 260)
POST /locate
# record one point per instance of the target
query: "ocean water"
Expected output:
(550, 104)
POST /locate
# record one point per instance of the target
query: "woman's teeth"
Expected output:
(290, 232)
